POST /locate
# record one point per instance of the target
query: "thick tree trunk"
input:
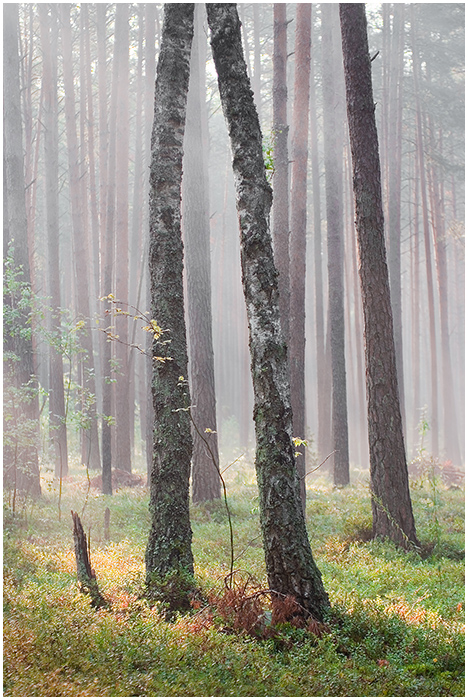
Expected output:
(280, 209)
(21, 459)
(206, 484)
(57, 411)
(290, 566)
(169, 561)
(333, 145)
(391, 502)
(297, 246)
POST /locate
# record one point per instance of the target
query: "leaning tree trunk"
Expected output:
(169, 561)
(391, 502)
(290, 566)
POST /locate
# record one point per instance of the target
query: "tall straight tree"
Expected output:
(333, 147)
(21, 459)
(391, 502)
(169, 561)
(395, 101)
(49, 40)
(290, 566)
(323, 361)
(280, 209)
(206, 484)
(122, 459)
(90, 441)
(297, 246)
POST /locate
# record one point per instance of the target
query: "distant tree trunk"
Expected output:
(391, 502)
(394, 189)
(434, 421)
(169, 561)
(333, 144)
(297, 246)
(123, 456)
(323, 375)
(415, 301)
(257, 76)
(21, 463)
(206, 484)
(451, 443)
(290, 566)
(280, 209)
(57, 413)
(81, 253)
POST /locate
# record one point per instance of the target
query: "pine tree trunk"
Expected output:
(391, 502)
(290, 566)
(280, 209)
(169, 562)
(297, 246)
(333, 144)
(206, 485)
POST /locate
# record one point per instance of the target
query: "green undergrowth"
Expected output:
(395, 627)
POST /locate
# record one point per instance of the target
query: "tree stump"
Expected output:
(86, 575)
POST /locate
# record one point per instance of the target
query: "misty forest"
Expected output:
(233, 323)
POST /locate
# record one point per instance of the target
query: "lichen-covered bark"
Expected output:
(169, 561)
(391, 502)
(206, 484)
(289, 562)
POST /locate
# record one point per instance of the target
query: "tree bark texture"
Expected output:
(206, 484)
(85, 574)
(297, 245)
(333, 151)
(21, 468)
(280, 209)
(290, 566)
(169, 559)
(391, 502)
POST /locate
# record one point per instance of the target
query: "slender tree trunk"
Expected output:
(391, 502)
(323, 376)
(333, 144)
(169, 561)
(300, 127)
(81, 253)
(394, 189)
(415, 316)
(257, 76)
(21, 462)
(280, 209)
(123, 457)
(206, 485)
(434, 420)
(290, 566)
(49, 45)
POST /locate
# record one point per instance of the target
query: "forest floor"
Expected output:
(396, 626)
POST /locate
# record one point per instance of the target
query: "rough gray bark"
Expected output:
(280, 209)
(21, 464)
(57, 414)
(290, 566)
(169, 561)
(297, 244)
(206, 484)
(391, 502)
